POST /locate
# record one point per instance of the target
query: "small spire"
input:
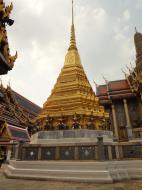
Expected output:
(72, 38)
(129, 69)
(126, 76)
(123, 71)
(105, 79)
(95, 83)
(136, 29)
(131, 66)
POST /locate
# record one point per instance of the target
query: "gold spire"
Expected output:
(72, 38)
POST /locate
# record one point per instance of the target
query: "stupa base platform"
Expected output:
(71, 136)
(75, 171)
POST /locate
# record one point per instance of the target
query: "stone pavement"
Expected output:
(14, 184)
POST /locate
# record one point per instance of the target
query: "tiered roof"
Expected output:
(26, 104)
(15, 109)
(114, 90)
(10, 132)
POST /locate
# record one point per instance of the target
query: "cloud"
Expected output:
(126, 15)
(99, 15)
(138, 3)
(37, 6)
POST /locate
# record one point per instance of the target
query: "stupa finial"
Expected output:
(72, 38)
(72, 12)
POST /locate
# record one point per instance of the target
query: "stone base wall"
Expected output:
(76, 151)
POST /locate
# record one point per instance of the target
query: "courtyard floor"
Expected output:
(14, 184)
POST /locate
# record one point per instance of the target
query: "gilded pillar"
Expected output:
(115, 122)
(128, 125)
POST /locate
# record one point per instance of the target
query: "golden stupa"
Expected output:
(72, 100)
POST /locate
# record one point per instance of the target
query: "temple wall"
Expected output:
(134, 112)
(134, 117)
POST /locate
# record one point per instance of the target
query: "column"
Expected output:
(96, 153)
(121, 152)
(20, 151)
(128, 123)
(109, 152)
(76, 153)
(17, 151)
(117, 152)
(115, 122)
(101, 152)
(23, 155)
(57, 153)
(9, 153)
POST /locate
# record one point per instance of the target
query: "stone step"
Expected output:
(66, 165)
(64, 175)
(83, 171)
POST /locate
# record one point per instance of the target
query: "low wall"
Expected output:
(76, 151)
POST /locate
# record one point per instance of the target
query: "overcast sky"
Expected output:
(40, 34)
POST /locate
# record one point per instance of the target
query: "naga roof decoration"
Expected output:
(6, 59)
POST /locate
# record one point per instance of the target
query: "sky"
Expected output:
(41, 32)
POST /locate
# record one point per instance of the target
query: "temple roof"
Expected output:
(11, 132)
(118, 85)
(101, 90)
(27, 104)
(114, 90)
(18, 134)
(15, 109)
